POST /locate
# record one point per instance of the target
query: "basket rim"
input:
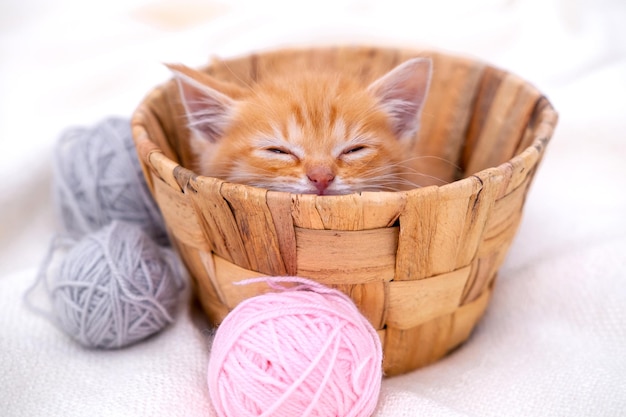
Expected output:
(181, 177)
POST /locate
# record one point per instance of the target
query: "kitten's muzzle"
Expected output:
(321, 178)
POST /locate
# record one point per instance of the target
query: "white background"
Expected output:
(552, 341)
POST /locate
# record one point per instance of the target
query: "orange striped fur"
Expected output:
(312, 132)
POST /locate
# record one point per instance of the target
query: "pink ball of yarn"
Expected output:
(304, 351)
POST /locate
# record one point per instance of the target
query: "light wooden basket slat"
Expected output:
(419, 264)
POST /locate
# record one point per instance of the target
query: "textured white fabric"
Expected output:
(552, 342)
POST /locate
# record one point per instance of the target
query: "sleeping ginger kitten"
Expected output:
(313, 132)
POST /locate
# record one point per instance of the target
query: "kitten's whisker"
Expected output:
(408, 171)
(234, 74)
(400, 178)
(432, 157)
(428, 176)
(373, 173)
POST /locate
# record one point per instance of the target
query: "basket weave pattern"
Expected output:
(419, 264)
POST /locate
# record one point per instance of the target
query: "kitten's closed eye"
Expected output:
(278, 151)
(354, 149)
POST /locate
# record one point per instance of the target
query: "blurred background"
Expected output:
(553, 336)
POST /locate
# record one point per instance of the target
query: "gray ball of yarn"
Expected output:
(115, 287)
(98, 178)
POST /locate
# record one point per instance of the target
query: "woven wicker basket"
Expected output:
(419, 264)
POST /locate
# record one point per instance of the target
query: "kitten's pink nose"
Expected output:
(320, 177)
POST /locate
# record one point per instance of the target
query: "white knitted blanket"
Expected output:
(553, 340)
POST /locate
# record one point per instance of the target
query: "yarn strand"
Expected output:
(102, 292)
(304, 350)
(97, 179)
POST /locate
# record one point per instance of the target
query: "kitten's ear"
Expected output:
(402, 93)
(208, 110)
